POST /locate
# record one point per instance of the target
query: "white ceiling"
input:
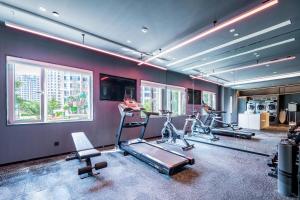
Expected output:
(110, 24)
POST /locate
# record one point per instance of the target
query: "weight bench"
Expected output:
(85, 151)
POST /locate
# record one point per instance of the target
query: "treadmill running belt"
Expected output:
(169, 159)
(229, 131)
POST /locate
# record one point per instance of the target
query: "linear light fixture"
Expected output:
(241, 54)
(216, 28)
(253, 65)
(14, 26)
(247, 37)
(206, 80)
(263, 79)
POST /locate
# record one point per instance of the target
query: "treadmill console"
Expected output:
(130, 105)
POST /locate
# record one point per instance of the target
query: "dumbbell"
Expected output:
(89, 169)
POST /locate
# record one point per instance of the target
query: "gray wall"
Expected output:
(230, 117)
(22, 142)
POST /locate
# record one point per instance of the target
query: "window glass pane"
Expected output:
(42, 92)
(151, 99)
(147, 98)
(209, 98)
(67, 95)
(27, 92)
(155, 97)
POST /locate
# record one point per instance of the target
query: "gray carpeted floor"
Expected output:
(218, 173)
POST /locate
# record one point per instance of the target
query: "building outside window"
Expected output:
(43, 92)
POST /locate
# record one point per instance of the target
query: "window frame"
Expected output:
(213, 94)
(10, 97)
(164, 95)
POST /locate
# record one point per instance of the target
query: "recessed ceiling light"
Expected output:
(216, 28)
(232, 30)
(128, 41)
(125, 49)
(144, 29)
(274, 72)
(55, 14)
(236, 34)
(43, 9)
(267, 65)
(241, 54)
(241, 39)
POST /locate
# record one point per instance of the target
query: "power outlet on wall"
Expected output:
(56, 143)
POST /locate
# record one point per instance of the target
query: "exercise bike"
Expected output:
(169, 133)
(199, 127)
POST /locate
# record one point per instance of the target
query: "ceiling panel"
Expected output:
(112, 23)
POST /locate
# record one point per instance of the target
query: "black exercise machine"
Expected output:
(225, 129)
(165, 161)
(85, 151)
(294, 136)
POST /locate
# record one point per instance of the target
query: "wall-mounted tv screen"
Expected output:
(194, 96)
(114, 88)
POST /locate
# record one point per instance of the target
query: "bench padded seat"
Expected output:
(84, 147)
(88, 153)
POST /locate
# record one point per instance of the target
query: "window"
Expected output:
(209, 98)
(156, 96)
(40, 92)
(152, 96)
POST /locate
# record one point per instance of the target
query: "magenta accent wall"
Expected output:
(23, 142)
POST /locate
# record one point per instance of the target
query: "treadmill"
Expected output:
(227, 129)
(165, 161)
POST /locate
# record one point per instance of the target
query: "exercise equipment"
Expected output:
(164, 160)
(226, 129)
(199, 128)
(85, 151)
(293, 136)
(169, 133)
(287, 168)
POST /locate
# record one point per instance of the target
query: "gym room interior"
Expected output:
(149, 99)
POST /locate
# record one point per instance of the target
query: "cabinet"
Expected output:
(254, 121)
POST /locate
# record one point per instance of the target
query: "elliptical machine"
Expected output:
(199, 127)
(169, 133)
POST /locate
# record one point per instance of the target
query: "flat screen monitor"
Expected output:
(114, 88)
(194, 97)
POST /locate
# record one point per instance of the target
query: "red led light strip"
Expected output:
(14, 26)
